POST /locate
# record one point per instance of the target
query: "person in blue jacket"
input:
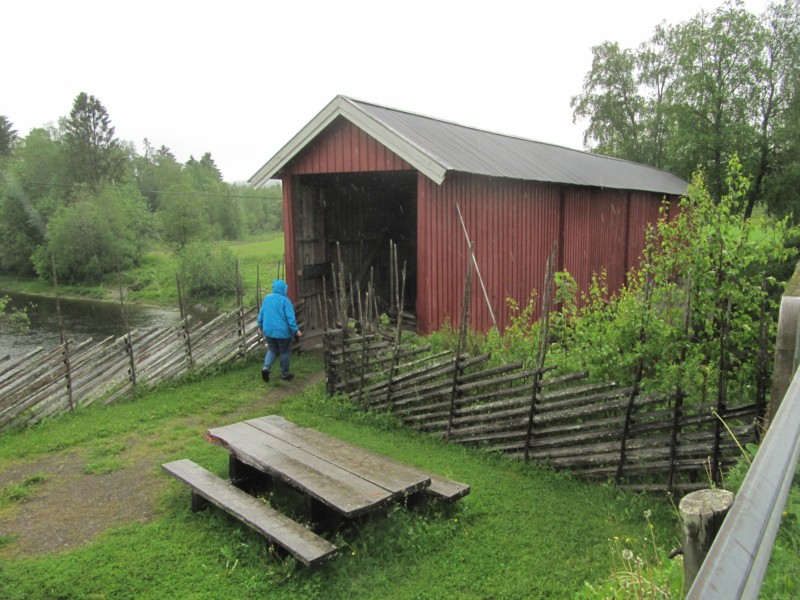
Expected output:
(277, 323)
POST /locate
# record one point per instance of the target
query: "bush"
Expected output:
(99, 233)
(207, 270)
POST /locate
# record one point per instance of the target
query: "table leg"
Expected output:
(247, 477)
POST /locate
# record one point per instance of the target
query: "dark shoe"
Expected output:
(287, 377)
(265, 375)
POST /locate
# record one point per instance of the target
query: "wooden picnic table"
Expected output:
(330, 472)
(346, 478)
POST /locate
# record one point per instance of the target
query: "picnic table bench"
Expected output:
(332, 474)
(309, 548)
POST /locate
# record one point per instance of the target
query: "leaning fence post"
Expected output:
(129, 338)
(64, 340)
(702, 513)
(543, 342)
(185, 322)
(462, 342)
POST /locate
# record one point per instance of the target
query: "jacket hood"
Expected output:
(279, 287)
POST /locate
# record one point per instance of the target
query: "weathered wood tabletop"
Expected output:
(348, 479)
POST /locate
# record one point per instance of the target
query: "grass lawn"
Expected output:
(523, 532)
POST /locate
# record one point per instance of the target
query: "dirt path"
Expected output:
(70, 507)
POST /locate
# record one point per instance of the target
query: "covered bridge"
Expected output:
(361, 174)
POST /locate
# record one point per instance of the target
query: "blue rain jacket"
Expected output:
(276, 318)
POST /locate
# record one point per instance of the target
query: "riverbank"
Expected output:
(153, 283)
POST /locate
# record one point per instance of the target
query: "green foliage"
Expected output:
(93, 153)
(701, 258)
(208, 270)
(182, 218)
(19, 492)
(47, 178)
(12, 318)
(8, 136)
(99, 233)
(696, 93)
(640, 568)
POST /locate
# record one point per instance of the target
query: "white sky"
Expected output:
(239, 79)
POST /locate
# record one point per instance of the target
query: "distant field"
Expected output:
(258, 263)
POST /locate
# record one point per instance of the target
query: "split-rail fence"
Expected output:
(45, 383)
(606, 430)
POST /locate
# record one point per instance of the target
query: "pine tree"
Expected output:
(93, 153)
(8, 136)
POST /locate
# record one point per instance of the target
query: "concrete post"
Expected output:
(702, 513)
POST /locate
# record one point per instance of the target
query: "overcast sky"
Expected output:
(239, 79)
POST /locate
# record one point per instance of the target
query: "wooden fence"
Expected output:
(42, 384)
(599, 431)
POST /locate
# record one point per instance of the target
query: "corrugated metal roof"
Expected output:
(435, 147)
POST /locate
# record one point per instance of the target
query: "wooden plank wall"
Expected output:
(40, 385)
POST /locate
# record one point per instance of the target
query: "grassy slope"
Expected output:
(523, 532)
(153, 282)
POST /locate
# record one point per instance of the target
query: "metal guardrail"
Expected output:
(738, 558)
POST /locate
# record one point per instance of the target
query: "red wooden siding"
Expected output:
(594, 234)
(513, 224)
(344, 148)
(644, 214)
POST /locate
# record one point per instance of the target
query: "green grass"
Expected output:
(19, 492)
(523, 532)
(258, 264)
(153, 282)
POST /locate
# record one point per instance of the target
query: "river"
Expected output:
(83, 319)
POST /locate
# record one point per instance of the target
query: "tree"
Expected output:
(612, 102)
(715, 92)
(32, 191)
(100, 233)
(698, 93)
(156, 171)
(777, 176)
(182, 217)
(8, 137)
(93, 153)
(203, 174)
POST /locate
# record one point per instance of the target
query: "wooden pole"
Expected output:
(470, 245)
(185, 322)
(543, 342)
(702, 514)
(258, 286)
(677, 410)
(637, 376)
(762, 364)
(62, 333)
(240, 309)
(344, 367)
(397, 337)
(722, 392)
(129, 338)
(392, 269)
(462, 339)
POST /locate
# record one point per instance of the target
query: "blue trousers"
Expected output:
(278, 347)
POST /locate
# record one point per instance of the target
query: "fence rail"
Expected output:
(42, 384)
(737, 560)
(596, 430)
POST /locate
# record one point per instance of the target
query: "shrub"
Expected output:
(207, 270)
